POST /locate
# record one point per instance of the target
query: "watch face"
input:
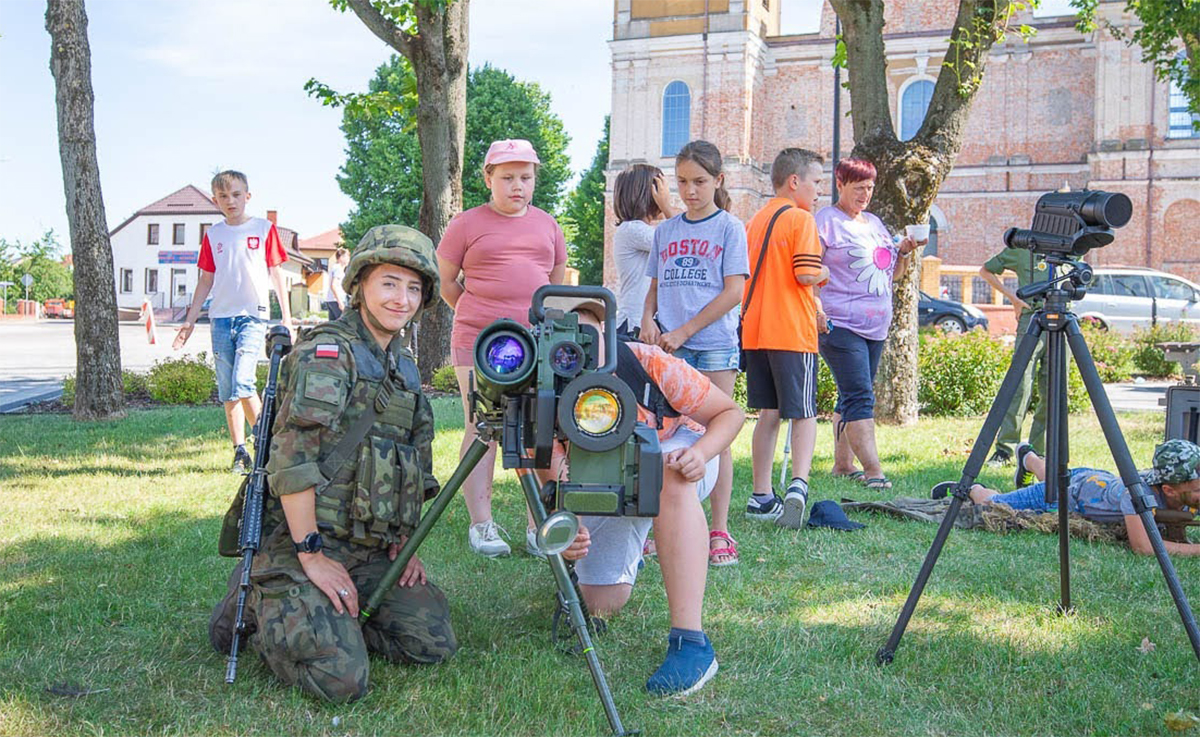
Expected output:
(312, 543)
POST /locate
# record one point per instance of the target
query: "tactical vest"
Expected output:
(376, 485)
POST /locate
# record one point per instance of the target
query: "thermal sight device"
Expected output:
(1070, 224)
(546, 383)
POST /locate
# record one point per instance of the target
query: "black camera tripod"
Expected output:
(1061, 328)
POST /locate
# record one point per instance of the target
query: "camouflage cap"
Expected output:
(1176, 462)
(398, 245)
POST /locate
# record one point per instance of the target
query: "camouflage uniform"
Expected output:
(364, 503)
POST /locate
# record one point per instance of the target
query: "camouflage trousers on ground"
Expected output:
(306, 643)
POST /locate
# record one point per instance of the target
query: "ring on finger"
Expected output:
(343, 593)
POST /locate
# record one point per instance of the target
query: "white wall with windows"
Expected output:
(154, 258)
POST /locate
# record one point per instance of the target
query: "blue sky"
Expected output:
(186, 88)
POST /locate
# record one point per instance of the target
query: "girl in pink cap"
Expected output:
(492, 258)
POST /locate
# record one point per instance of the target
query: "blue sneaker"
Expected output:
(766, 512)
(685, 670)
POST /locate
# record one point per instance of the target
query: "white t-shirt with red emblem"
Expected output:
(238, 256)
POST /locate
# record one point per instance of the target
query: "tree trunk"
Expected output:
(438, 55)
(910, 173)
(439, 62)
(98, 390)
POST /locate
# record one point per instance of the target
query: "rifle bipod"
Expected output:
(570, 601)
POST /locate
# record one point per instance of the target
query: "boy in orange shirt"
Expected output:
(779, 332)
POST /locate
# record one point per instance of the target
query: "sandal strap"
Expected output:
(723, 536)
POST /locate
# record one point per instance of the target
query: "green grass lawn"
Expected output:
(108, 569)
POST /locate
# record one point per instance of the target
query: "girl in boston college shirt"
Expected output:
(698, 266)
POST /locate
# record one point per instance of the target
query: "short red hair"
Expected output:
(850, 171)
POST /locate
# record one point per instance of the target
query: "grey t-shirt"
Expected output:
(1101, 496)
(632, 242)
(691, 259)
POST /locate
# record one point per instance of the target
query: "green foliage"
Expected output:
(1164, 26)
(826, 389)
(959, 374)
(583, 218)
(1112, 352)
(969, 43)
(183, 380)
(382, 173)
(41, 259)
(133, 384)
(445, 380)
(1149, 358)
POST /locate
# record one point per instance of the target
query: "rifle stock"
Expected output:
(279, 342)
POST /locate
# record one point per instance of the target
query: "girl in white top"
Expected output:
(640, 199)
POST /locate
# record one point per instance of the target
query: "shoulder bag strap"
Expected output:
(762, 253)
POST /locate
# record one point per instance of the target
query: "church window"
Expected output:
(914, 102)
(676, 117)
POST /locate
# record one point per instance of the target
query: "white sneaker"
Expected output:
(531, 545)
(485, 539)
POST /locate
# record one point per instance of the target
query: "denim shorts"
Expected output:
(237, 344)
(718, 359)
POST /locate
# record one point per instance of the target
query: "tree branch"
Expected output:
(386, 30)
(866, 64)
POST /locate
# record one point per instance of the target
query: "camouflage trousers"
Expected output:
(306, 643)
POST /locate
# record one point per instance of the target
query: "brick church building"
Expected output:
(1064, 108)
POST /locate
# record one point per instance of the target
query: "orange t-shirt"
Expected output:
(684, 387)
(783, 314)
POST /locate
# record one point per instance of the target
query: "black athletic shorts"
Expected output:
(782, 380)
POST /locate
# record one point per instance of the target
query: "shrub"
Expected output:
(68, 395)
(260, 377)
(184, 380)
(135, 384)
(826, 389)
(1112, 352)
(1148, 357)
(959, 374)
(445, 380)
(739, 392)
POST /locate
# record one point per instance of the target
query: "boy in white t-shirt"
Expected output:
(239, 262)
(335, 296)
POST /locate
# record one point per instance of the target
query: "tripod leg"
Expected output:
(1056, 455)
(987, 434)
(470, 459)
(566, 592)
(1143, 500)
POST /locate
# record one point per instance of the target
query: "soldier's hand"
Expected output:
(181, 337)
(579, 548)
(687, 462)
(414, 572)
(332, 579)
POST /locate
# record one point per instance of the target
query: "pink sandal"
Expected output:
(729, 552)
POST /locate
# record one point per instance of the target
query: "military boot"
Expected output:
(220, 623)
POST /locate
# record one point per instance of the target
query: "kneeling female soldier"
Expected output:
(350, 466)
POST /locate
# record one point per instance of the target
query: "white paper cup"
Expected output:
(919, 233)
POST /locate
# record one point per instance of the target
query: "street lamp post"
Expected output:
(837, 107)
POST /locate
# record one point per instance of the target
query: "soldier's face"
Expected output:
(1188, 494)
(392, 294)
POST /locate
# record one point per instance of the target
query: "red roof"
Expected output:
(327, 241)
(189, 200)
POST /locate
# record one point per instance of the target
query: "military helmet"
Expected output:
(398, 245)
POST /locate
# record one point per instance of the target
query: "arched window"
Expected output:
(1180, 117)
(914, 101)
(931, 246)
(676, 117)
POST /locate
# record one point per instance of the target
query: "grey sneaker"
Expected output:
(484, 538)
(768, 512)
(242, 462)
(999, 458)
(531, 545)
(795, 504)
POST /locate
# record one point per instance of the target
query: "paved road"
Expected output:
(36, 355)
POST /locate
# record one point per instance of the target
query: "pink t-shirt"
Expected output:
(504, 260)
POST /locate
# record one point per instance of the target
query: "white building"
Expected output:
(155, 252)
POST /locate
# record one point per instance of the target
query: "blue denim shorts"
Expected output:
(718, 359)
(237, 344)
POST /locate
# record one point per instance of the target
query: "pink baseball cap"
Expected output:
(511, 149)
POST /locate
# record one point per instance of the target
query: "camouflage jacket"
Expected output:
(327, 382)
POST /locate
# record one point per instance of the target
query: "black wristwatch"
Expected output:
(312, 543)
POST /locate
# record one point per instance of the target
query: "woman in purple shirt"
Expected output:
(863, 262)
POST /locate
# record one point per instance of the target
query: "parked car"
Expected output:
(1127, 297)
(59, 307)
(951, 316)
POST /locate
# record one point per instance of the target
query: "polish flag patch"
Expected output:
(327, 351)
